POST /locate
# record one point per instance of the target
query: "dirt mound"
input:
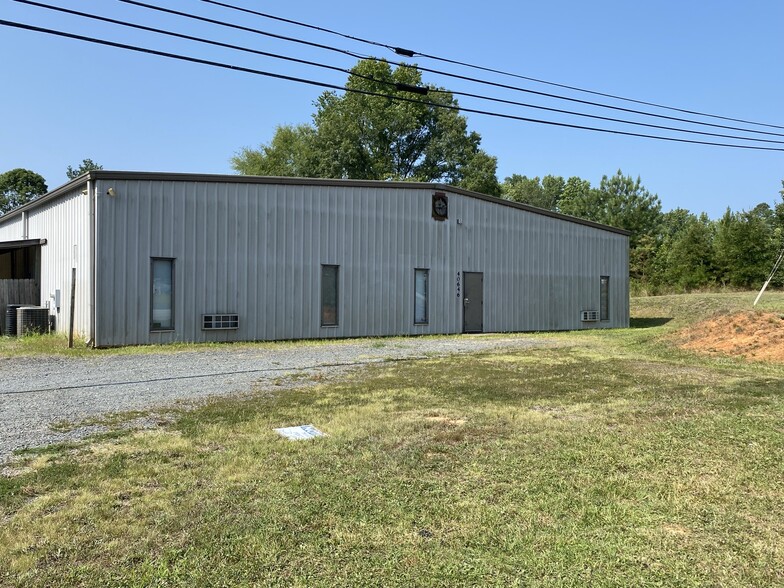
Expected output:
(754, 335)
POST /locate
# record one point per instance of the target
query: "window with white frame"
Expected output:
(421, 291)
(162, 294)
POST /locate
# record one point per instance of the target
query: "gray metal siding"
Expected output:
(65, 224)
(257, 250)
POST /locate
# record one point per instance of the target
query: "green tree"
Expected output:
(360, 136)
(19, 186)
(553, 187)
(747, 243)
(623, 202)
(84, 167)
(687, 256)
(479, 174)
(575, 197)
(290, 153)
(544, 193)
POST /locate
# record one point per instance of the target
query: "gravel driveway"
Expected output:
(36, 392)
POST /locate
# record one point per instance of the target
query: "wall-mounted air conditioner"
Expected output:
(589, 316)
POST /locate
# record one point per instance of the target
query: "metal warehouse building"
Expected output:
(182, 257)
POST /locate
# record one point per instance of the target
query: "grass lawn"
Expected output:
(611, 459)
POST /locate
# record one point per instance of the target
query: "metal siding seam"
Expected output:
(272, 256)
(358, 249)
(347, 201)
(268, 251)
(238, 260)
(254, 266)
(359, 309)
(397, 264)
(281, 208)
(313, 265)
(223, 261)
(386, 279)
(109, 265)
(298, 290)
(118, 209)
(370, 263)
(309, 262)
(299, 269)
(391, 274)
(199, 251)
(145, 200)
(288, 285)
(190, 252)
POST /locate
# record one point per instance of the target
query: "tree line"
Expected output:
(675, 251)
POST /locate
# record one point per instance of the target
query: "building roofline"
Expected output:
(279, 180)
(49, 196)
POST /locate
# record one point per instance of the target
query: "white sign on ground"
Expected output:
(300, 433)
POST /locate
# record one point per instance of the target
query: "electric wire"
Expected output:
(413, 89)
(244, 28)
(440, 72)
(398, 98)
(412, 53)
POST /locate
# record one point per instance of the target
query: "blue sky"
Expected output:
(64, 100)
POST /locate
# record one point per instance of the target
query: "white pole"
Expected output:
(770, 277)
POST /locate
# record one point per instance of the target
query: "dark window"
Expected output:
(604, 298)
(162, 295)
(421, 278)
(329, 295)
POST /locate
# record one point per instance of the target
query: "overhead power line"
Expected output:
(411, 53)
(244, 28)
(366, 92)
(443, 73)
(398, 86)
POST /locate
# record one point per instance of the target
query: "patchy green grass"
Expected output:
(687, 308)
(605, 461)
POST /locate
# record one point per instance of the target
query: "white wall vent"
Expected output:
(214, 322)
(589, 316)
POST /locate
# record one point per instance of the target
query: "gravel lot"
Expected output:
(37, 392)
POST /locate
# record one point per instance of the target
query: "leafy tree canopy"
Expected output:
(19, 186)
(361, 136)
(619, 201)
(747, 243)
(290, 153)
(544, 193)
(84, 167)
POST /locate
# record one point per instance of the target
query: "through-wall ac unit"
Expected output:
(589, 316)
(214, 322)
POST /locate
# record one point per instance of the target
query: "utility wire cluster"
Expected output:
(745, 134)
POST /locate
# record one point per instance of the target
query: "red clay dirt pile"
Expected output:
(754, 335)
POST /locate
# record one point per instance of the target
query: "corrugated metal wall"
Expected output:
(257, 250)
(65, 224)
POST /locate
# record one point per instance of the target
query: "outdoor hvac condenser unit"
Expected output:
(32, 319)
(9, 329)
